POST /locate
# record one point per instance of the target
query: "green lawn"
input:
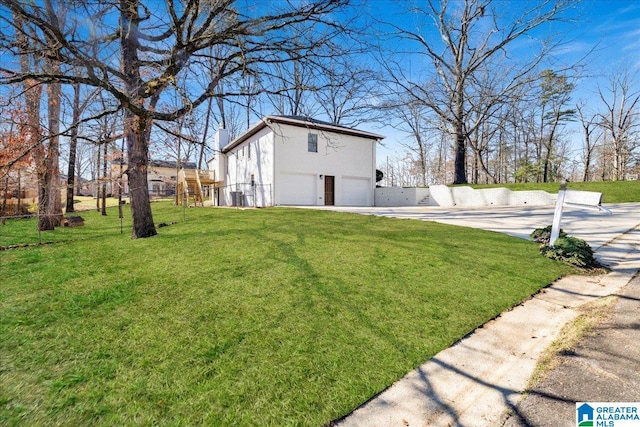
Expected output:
(270, 317)
(612, 191)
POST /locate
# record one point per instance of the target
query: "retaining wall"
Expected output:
(398, 196)
(443, 196)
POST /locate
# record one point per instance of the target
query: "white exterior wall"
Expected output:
(253, 157)
(350, 159)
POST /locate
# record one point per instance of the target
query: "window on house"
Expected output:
(249, 151)
(312, 143)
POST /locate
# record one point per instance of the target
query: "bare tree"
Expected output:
(473, 34)
(78, 106)
(621, 118)
(290, 87)
(335, 83)
(589, 124)
(73, 148)
(414, 122)
(158, 45)
(32, 94)
(49, 176)
(555, 95)
(348, 92)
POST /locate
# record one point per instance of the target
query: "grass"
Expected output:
(612, 191)
(85, 203)
(271, 317)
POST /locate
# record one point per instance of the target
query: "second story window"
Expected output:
(312, 143)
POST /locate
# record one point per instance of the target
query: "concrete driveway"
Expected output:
(595, 227)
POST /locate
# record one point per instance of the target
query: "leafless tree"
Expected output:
(140, 58)
(555, 96)
(620, 118)
(474, 35)
(79, 104)
(413, 121)
(289, 87)
(591, 137)
(348, 94)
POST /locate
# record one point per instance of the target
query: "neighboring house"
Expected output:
(18, 189)
(162, 177)
(295, 161)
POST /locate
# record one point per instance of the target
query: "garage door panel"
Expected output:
(356, 191)
(297, 189)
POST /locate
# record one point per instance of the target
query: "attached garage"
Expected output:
(356, 191)
(296, 189)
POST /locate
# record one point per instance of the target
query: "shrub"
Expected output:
(571, 250)
(543, 235)
(568, 249)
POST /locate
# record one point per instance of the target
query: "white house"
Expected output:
(295, 161)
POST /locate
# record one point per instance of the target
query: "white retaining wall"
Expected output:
(443, 196)
(398, 196)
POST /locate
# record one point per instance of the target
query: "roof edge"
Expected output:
(300, 122)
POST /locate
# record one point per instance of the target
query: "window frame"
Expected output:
(312, 142)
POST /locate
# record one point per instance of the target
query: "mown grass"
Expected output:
(612, 191)
(272, 317)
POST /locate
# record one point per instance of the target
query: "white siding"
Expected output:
(350, 159)
(285, 172)
(253, 157)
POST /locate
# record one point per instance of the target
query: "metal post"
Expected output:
(557, 216)
(39, 231)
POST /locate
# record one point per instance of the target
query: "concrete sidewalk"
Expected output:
(480, 380)
(603, 367)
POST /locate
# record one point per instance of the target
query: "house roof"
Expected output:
(299, 121)
(171, 164)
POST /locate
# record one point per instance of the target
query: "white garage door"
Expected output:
(297, 189)
(356, 191)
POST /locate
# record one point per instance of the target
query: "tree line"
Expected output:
(134, 79)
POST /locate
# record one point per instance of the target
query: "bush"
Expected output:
(571, 250)
(568, 249)
(543, 235)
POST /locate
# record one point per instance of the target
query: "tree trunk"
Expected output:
(73, 144)
(5, 193)
(137, 148)
(49, 178)
(587, 166)
(545, 166)
(104, 179)
(97, 180)
(32, 95)
(49, 173)
(137, 128)
(205, 133)
(460, 166)
(19, 206)
(460, 162)
(120, 215)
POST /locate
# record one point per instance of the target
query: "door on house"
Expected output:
(329, 190)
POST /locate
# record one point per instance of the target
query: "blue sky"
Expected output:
(606, 33)
(607, 30)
